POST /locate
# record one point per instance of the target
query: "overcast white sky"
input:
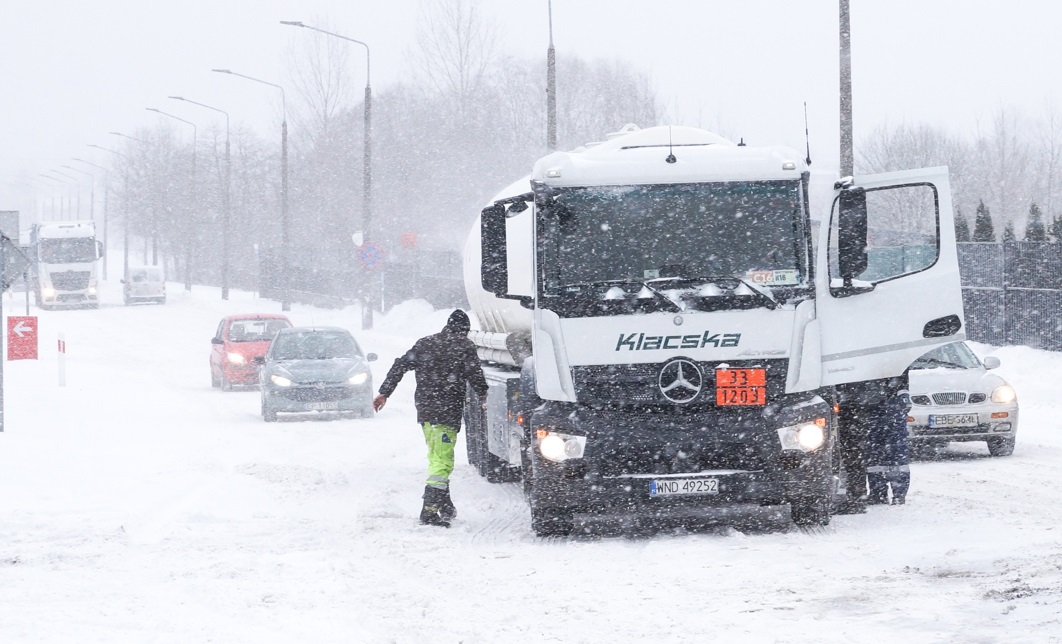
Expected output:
(74, 70)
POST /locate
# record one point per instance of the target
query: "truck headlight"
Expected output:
(280, 381)
(1004, 394)
(358, 378)
(559, 447)
(48, 291)
(806, 437)
(235, 358)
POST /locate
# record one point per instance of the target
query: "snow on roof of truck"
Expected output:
(667, 154)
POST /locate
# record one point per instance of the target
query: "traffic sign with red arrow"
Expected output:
(22, 337)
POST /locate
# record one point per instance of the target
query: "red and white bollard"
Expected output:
(62, 360)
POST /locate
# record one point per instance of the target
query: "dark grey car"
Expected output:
(316, 369)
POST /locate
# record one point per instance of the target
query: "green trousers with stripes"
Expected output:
(440, 440)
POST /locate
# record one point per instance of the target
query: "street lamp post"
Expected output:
(92, 192)
(106, 199)
(366, 312)
(228, 199)
(285, 296)
(190, 242)
(77, 183)
(54, 181)
(125, 207)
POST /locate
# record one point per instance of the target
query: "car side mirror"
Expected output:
(371, 357)
(259, 360)
(216, 340)
(991, 362)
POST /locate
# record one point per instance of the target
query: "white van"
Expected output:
(144, 284)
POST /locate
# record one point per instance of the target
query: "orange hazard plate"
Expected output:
(740, 387)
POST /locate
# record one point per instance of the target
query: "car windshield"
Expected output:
(262, 330)
(315, 345)
(950, 356)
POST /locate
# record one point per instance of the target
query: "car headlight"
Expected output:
(1004, 394)
(280, 381)
(358, 378)
(235, 358)
(559, 447)
(806, 437)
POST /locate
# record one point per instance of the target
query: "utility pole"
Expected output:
(551, 89)
(847, 156)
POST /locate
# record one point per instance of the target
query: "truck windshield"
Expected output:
(753, 231)
(68, 250)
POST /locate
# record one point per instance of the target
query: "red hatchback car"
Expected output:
(238, 341)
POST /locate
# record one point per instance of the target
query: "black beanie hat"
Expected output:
(458, 322)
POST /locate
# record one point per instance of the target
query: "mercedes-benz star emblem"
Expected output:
(680, 381)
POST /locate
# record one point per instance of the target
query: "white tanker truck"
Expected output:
(664, 341)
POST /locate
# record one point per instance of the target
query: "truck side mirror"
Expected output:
(99, 249)
(494, 267)
(852, 234)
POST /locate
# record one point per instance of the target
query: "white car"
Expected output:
(144, 284)
(955, 398)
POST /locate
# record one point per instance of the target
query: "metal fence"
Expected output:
(1012, 293)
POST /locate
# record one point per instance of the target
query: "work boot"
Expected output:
(446, 507)
(430, 513)
(877, 499)
(899, 500)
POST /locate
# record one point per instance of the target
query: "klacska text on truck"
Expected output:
(665, 342)
(66, 268)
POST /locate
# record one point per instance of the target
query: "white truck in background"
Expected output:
(66, 257)
(664, 342)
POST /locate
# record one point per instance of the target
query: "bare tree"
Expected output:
(456, 46)
(319, 68)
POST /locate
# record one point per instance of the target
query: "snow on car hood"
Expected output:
(924, 381)
(326, 370)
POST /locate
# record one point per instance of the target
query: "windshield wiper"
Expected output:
(762, 293)
(674, 306)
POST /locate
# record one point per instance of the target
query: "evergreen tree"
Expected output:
(962, 229)
(1008, 232)
(1034, 230)
(1056, 228)
(983, 230)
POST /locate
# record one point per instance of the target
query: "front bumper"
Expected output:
(993, 421)
(245, 374)
(626, 453)
(319, 397)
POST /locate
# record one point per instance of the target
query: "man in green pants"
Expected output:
(444, 363)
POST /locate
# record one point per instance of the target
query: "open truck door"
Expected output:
(888, 287)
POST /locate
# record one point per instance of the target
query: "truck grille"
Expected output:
(70, 280)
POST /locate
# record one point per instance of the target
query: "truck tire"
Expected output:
(809, 511)
(1001, 446)
(550, 522)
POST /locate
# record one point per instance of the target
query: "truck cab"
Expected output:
(65, 273)
(679, 340)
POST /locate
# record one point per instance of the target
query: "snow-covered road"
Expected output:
(137, 504)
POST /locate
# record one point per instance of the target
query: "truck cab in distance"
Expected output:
(65, 272)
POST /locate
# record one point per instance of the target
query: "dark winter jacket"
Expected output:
(444, 363)
(887, 443)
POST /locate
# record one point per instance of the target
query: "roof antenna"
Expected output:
(670, 148)
(807, 137)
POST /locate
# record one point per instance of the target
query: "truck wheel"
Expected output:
(810, 511)
(550, 522)
(1001, 446)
